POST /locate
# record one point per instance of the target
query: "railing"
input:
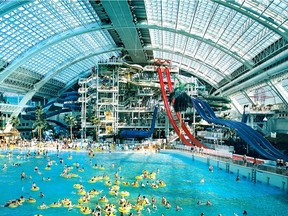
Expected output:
(235, 159)
(8, 107)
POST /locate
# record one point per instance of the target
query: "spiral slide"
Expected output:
(140, 134)
(250, 136)
(168, 111)
(183, 125)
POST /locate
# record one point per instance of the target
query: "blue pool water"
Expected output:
(181, 174)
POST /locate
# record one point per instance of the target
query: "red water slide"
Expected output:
(183, 125)
(168, 111)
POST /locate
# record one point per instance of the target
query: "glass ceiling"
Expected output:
(25, 27)
(69, 50)
(226, 29)
(276, 11)
(207, 39)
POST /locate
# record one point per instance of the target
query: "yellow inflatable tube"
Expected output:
(35, 189)
(31, 200)
(55, 205)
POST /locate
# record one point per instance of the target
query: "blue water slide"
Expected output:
(45, 115)
(244, 117)
(68, 94)
(72, 106)
(58, 100)
(58, 123)
(258, 137)
(140, 134)
(243, 133)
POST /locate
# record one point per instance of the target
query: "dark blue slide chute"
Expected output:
(58, 123)
(249, 135)
(140, 134)
(68, 101)
(244, 117)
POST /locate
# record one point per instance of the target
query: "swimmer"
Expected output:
(138, 198)
(34, 185)
(208, 203)
(4, 166)
(164, 201)
(148, 210)
(202, 181)
(154, 206)
(178, 208)
(22, 175)
(43, 205)
(245, 212)
(238, 178)
(211, 168)
(146, 200)
(98, 207)
(41, 194)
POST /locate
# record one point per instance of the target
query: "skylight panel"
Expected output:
(44, 19)
(241, 99)
(275, 11)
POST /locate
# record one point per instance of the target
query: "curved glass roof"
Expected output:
(212, 40)
(227, 30)
(32, 24)
(276, 11)
(68, 50)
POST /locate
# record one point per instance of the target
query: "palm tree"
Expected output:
(14, 121)
(40, 123)
(71, 121)
(96, 122)
(180, 100)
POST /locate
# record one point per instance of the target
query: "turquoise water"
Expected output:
(180, 173)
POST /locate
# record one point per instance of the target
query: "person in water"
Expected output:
(22, 175)
(178, 208)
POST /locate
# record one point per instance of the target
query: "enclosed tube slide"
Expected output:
(140, 134)
(183, 125)
(168, 111)
(250, 136)
(260, 139)
(67, 107)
